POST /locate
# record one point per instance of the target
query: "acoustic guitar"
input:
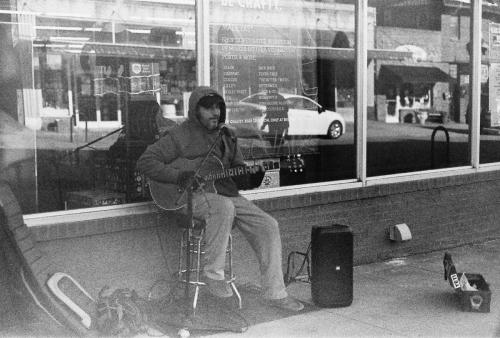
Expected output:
(169, 196)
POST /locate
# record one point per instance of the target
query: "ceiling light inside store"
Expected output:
(68, 38)
(185, 33)
(49, 45)
(59, 28)
(93, 29)
(139, 31)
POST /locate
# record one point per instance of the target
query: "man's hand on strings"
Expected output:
(187, 178)
(257, 168)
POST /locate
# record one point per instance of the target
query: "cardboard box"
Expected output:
(475, 298)
(271, 179)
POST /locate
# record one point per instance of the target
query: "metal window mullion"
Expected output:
(202, 43)
(360, 116)
(475, 88)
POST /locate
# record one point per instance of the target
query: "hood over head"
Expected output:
(197, 95)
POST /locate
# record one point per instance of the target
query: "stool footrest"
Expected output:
(181, 278)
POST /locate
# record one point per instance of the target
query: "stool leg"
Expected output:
(195, 298)
(181, 256)
(237, 294)
(198, 266)
(198, 255)
(231, 275)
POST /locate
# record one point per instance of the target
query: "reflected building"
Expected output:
(436, 79)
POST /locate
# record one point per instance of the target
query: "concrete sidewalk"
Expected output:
(401, 297)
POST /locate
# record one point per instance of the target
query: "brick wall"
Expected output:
(455, 32)
(393, 37)
(441, 213)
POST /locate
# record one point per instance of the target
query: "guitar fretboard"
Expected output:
(228, 173)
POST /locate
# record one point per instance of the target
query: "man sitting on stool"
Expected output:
(224, 206)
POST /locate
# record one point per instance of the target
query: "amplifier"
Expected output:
(332, 265)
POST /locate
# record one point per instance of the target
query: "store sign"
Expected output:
(484, 73)
(494, 41)
(144, 77)
(254, 60)
(494, 94)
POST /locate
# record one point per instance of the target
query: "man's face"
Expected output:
(209, 117)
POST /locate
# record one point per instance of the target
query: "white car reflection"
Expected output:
(305, 116)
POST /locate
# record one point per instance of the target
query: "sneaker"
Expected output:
(287, 303)
(218, 288)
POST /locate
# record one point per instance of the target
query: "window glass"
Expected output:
(286, 71)
(17, 152)
(302, 103)
(90, 85)
(420, 92)
(490, 94)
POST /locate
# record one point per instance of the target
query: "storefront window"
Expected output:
(419, 98)
(286, 70)
(87, 85)
(93, 88)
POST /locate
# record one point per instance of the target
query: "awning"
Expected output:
(138, 52)
(412, 74)
(488, 6)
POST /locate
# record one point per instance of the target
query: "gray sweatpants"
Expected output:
(260, 229)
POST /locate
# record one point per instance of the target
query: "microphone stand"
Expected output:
(200, 166)
(189, 212)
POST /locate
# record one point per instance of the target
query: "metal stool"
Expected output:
(195, 237)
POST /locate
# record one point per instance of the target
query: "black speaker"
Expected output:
(331, 266)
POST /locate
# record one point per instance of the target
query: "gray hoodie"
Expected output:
(191, 140)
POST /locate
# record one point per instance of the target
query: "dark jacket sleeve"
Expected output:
(249, 181)
(154, 162)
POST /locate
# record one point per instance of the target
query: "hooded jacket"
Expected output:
(191, 140)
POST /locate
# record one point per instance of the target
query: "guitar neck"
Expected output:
(228, 173)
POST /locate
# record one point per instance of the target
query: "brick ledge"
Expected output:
(130, 220)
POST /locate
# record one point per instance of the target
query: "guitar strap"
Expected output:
(222, 146)
(223, 141)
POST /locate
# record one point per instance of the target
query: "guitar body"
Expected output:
(167, 195)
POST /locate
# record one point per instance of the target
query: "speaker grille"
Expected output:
(332, 265)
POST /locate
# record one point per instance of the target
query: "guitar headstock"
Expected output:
(294, 163)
